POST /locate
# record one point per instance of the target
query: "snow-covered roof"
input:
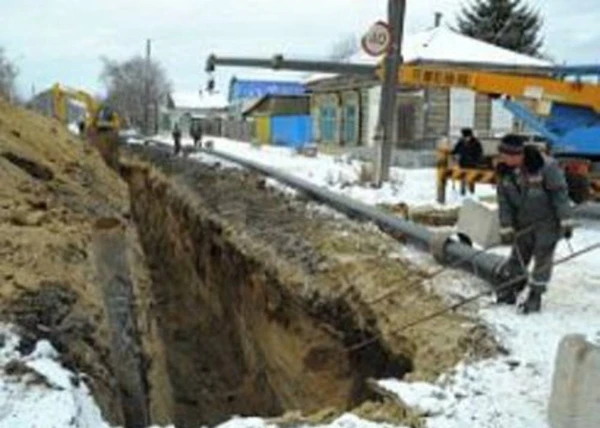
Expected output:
(197, 100)
(444, 45)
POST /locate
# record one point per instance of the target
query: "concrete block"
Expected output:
(479, 222)
(575, 399)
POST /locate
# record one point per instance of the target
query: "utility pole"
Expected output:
(387, 108)
(147, 88)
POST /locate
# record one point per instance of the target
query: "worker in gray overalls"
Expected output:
(535, 213)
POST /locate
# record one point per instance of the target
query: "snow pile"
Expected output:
(345, 421)
(36, 391)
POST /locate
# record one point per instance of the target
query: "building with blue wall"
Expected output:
(244, 93)
(281, 120)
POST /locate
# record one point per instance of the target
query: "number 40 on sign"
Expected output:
(378, 39)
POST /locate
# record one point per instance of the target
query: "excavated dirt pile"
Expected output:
(71, 267)
(187, 293)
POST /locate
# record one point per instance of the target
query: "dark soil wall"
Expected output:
(239, 335)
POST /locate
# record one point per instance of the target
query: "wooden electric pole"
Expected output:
(387, 108)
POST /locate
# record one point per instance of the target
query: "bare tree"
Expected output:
(8, 77)
(344, 49)
(125, 84)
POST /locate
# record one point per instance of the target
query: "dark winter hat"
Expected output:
(511, 144)
(466, 132)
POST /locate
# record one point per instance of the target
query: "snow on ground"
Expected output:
(342, 175)
(507, 391)
(513, 390)
(36, 391)
(345, 421)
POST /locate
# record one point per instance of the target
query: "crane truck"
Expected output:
(560, 104)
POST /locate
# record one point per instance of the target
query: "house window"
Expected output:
(350, 121)
(502, 120)
(328, 123)
(462, 110)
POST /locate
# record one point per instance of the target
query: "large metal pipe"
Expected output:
(590, 210)
(485, 265)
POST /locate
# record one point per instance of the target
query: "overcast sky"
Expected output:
(62, 40)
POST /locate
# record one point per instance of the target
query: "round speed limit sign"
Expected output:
(378, 39)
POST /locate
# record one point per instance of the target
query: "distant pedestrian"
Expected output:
(196, 134)
(468, 152)
(177, 138)
(535, 213)
(81, 127)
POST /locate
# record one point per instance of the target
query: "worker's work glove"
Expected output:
(507, 235)
(566, 228)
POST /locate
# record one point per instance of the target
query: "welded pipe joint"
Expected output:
(438, 243)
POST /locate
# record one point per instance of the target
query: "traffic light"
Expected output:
(210, 84)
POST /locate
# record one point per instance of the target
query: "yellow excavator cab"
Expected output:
(95, 112)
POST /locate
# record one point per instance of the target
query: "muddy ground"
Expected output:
(187, 293)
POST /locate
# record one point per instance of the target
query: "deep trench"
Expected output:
(238, 339)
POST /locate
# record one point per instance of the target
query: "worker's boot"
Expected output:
(531, 301)
(507, 296)
(509, 288)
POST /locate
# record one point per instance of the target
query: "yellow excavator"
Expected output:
(101, 124)
(95, 111)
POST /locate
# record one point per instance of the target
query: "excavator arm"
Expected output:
(95, 111)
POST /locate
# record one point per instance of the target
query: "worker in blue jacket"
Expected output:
(535, 213)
